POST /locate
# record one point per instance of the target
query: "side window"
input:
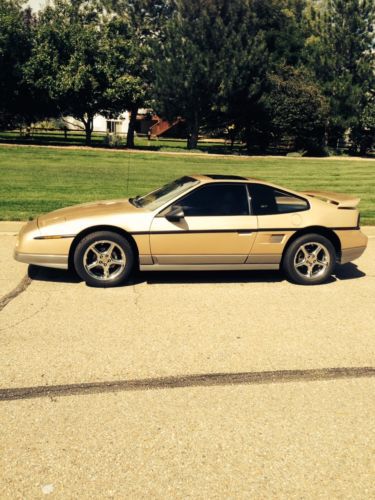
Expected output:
(266, 200)
(216, 200)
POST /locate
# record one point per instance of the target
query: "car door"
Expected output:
(279, 214)
(216, 227)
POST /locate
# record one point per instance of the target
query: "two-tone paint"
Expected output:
(210, 242)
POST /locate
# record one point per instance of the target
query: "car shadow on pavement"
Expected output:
(343, 272)
(348, 271)
(38, 273)
(171, 277)
(164, 277)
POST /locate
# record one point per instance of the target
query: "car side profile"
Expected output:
(199, 222)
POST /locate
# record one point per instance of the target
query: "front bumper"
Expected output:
(55, 261)
(30, 249)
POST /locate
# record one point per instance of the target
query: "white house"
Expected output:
(101, 124)
(147, 123)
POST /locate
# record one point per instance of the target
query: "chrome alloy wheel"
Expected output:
(311, 260)
(104, 260)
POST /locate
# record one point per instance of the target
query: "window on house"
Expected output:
(113, 126)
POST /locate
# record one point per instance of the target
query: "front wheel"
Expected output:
(309, 260)
(104, 259)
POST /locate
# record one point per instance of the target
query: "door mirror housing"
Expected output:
(175, 214)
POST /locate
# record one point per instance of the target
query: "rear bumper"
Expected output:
(353, 244)
(349, 254)
(55, 261)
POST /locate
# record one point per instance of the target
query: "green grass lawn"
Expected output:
(36, 180)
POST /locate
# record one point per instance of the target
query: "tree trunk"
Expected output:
(193, 132)
(325, 135)
(249, 139)
(131, 129)
(89, 125)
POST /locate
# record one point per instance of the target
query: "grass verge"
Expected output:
(36, 180)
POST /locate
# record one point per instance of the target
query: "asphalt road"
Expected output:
(199, 385)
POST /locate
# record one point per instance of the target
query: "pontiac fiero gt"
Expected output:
(200, 222)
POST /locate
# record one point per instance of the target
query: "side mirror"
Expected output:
(175, 214)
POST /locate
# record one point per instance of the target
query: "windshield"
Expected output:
(157, 198)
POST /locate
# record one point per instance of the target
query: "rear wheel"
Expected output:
(104, 259)
(309, 260)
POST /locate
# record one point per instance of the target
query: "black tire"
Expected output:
(298, 260)
(115, 263)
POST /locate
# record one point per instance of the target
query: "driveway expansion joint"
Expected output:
(183, 381)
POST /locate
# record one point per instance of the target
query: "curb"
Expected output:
(189, 153)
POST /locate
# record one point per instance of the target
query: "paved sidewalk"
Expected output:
(11, 271)
(11, 227)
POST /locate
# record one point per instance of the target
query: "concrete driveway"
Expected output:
(199, 385)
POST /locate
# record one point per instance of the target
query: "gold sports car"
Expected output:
(199, 222)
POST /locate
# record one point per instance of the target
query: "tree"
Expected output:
(145, 20)
(127, 90)
(363, 134)
(341, 51)
(215, 58)
(243, 60)
(68, 59)
(282, 22)
(296, 109)
(276, 35)
(82, 59)
(205, 44)
(15, 46)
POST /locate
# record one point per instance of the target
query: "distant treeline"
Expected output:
(264, 71)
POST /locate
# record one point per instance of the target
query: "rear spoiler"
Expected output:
(341, 200)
